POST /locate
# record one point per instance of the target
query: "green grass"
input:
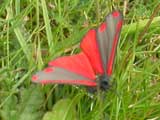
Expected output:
(34, 32)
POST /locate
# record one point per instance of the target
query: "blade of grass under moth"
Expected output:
(47, 25)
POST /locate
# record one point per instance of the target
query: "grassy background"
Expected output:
(35, 32)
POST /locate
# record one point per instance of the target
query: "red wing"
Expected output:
(90, 48)
(76, 63)
(75, 69)
(107, 38)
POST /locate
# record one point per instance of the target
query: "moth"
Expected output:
(91, 67)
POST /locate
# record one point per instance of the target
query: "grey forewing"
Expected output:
(103, 42)
(112, 31)
(60, 74)
(105, 39)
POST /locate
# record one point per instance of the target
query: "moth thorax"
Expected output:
(104, 82)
